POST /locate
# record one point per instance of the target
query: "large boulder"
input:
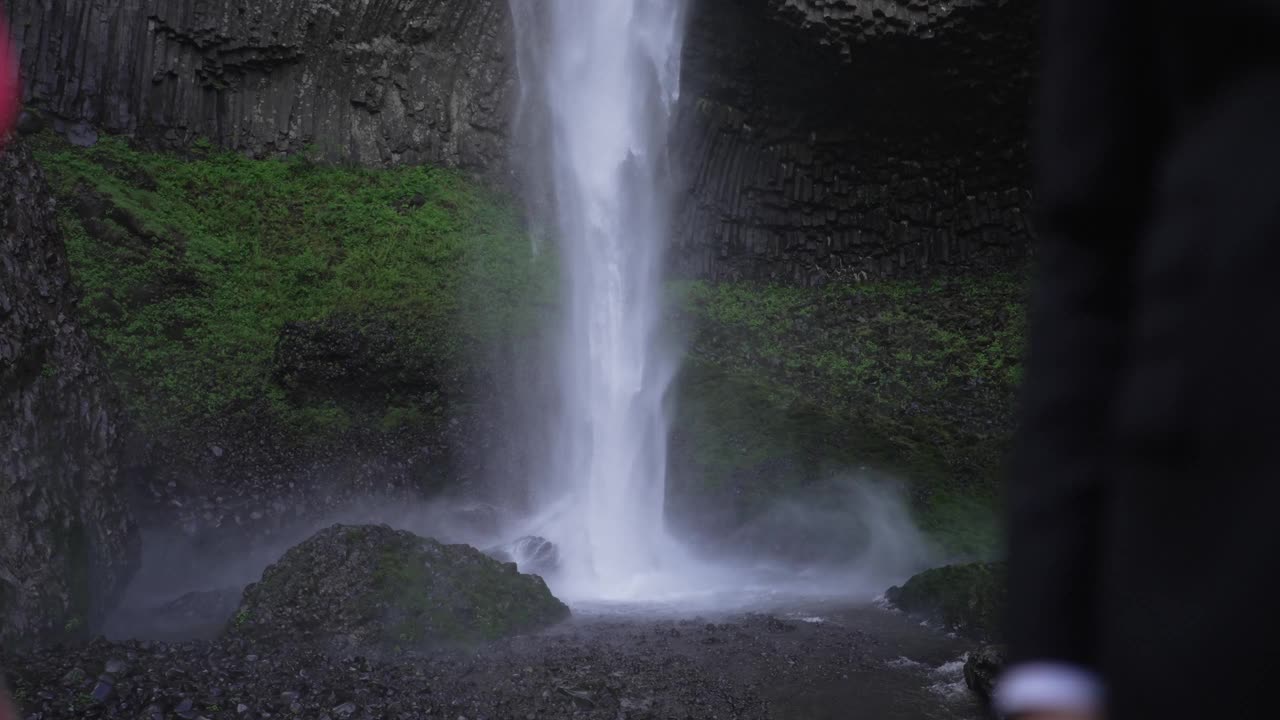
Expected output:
(967, 599)
(67, 538)
(376, 590)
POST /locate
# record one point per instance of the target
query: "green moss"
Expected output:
(320, 420)
(871, 346)
(399, 417)
(966, 598)
(918, 378)
(760, 442)
(191, 265)
(400, 592)
(483, 600)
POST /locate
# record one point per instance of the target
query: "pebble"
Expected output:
(602, 671)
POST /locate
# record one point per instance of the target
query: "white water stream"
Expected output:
(605, 74)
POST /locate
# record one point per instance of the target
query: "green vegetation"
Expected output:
(217, 287)
(431, 593)
(191, 266)
(787, 385)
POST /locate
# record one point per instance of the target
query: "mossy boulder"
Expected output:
(376, 590)
(968, 599)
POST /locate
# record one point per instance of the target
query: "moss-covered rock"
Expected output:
(969, 599)
(378, 590)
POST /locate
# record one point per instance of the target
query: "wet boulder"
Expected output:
(531, 554)
(982, 668)
(375, 590)
(967, 599)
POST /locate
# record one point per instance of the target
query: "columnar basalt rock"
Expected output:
(67, 539)
(372, 81)
(821, 138)
(827, 138)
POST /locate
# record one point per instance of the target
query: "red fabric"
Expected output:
(8, 81)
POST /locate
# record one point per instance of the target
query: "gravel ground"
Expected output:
(854, 663)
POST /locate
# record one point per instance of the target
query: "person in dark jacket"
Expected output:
(1144, 499)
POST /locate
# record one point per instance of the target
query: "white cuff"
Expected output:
(1053, 686)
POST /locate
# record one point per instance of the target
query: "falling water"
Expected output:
(603, 75)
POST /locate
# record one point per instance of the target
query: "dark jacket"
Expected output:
(1145, 492)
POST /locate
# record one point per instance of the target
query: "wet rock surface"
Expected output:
(968, 599)
(531, 553)
(67, 536)
(377, 590)
(825, 139)
(904, 153)
(377, 82)
(755, 666)
(358, 357)
(982, 668)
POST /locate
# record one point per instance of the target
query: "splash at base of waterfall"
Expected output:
(850, 540)
(660, 569)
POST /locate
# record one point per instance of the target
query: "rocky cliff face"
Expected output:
(67, 542)
(828, 138)
(374, 81)
(821, 138)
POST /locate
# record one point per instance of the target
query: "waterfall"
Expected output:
(602, 77)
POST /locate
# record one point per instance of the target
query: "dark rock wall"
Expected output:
(374, 81)
(67, 540)
(821, 138)
(831, 137)
(818, 139)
